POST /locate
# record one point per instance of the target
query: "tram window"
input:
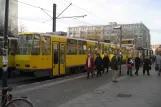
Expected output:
(82, 47)
(103, 49)
(89, 50)
(55, 58)
(36, 45)
(13, 47)
(99, 46)
(62, 54)
(71, 47)
(106, 50)
(45, 45)
(1, 45)
(24, 44)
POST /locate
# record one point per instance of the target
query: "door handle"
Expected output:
(54, 66)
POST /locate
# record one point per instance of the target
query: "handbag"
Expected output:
(129, 65)
(149, 67)
(157, 67)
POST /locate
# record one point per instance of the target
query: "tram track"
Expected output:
(25, 80)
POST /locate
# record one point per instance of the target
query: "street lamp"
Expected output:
(120, 27)
(141, 45)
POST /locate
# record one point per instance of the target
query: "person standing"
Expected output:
(106, 61)
(158, 62)
(89, 65)
(114, 67)
(137, 64)
(99, 64)
(129, 66)
(146, 65)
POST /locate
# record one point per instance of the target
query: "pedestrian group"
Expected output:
(102, 65)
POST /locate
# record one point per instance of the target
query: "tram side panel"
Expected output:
(12, 45)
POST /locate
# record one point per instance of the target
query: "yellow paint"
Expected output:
(11, 58)
(46, 61)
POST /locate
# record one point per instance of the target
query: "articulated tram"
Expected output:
(12, 45)
(45, 54)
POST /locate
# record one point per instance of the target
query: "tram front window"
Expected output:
(24, 44)
(36, 45)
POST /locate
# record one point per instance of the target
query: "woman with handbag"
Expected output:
(129, 66)
(89, 65)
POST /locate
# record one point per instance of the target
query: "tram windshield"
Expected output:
(24, 44)
(28, 44)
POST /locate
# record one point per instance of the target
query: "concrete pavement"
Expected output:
(52, 93)
(145, 91)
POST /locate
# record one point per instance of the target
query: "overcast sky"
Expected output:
(101, 12)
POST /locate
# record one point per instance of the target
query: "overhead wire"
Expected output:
(33, 5)
(84, 10)
(29, 20)
(43, 9)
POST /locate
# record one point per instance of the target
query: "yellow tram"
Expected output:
(12, 45)
(45, 54)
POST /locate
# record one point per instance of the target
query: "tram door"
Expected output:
(62, 58)
(55, 57)
(58, 58)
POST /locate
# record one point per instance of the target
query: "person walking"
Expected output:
(89, 65)
(98, 64)
(114, 67)
(106, 61)
(137, 64)
(146, 65)
(158, 62)
(129, 66)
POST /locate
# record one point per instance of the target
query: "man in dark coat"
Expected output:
(114, 67)
(137, 64)
(98, 64)
(146, 65)
(106, 61)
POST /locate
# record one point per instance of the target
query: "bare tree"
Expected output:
(22, 28)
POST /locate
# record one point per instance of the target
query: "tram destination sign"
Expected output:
(128, 41)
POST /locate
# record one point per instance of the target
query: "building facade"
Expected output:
(13, 15)
(154, 47)
(138, 32)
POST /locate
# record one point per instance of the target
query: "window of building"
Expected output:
(45, 45)
(82, 47)
(71, 47)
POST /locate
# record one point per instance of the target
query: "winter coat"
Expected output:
(114, 63)
(137, 62)
(106, 61)
(158, 61)
(147, 63)
(99, 62)
(90, 69)
(129, 63)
